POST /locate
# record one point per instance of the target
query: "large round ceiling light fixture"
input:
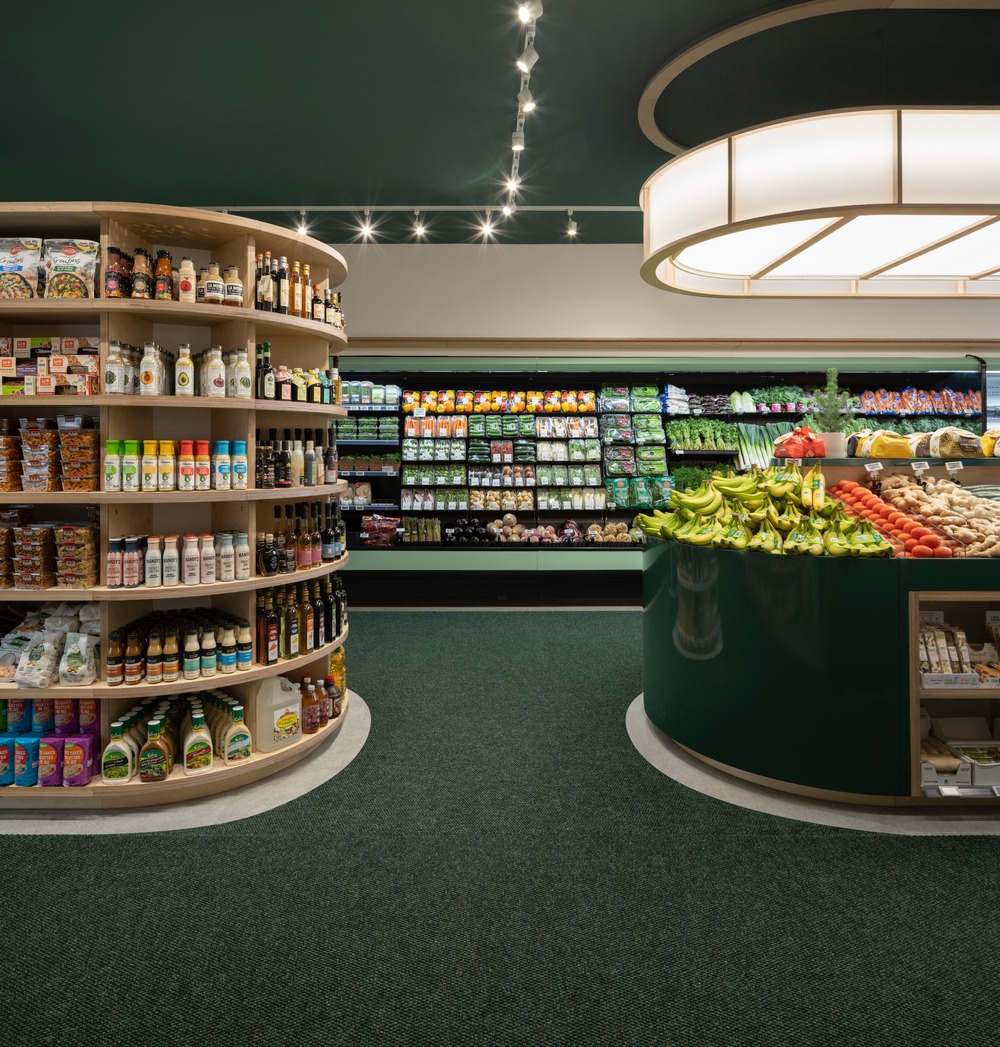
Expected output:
(862, 203)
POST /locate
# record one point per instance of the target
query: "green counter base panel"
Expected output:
(791, 668)
(494, 560)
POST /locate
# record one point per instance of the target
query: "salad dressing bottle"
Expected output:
(116, 763)
(236, 741)
(154, 757)
(198, 743)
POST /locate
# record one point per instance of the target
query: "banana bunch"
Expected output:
(734, 536)
(804, 539)
(702, 530)
(705, 500)
(767, 539)
(780, 483)
(814, 488)
(746, 490)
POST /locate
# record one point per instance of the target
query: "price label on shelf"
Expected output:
(419, 412)
(874, 467)
(797, 462)
(453, 504)
(919, 467)
(931, 617)
(953, 467)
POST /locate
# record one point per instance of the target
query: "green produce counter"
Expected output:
(791, 669)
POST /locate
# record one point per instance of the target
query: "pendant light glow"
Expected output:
(860, 203)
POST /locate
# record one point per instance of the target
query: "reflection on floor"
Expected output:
(319, 766)
(670, 759)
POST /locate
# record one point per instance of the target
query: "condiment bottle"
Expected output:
(116, 761)
(310, 710)
(227, 559)
(233, 293)
(207, 558)
(209, 656)
(306, 285)
(148, 371)
(222, 466)
(115, 660)
(170, 564)
(198, 744)
(244, 645)
(336, 697)
(187, 284)
(227, 650)
(239, 465)
(142, 274)
(114, 274)
(215, 286)
(130, 564)
(186, 467)
(164, 276)
(318, 311)
(171, 657)
(130, 466)
(282, 383)
(191, 662)
(325, 703)
(191, 561)
(154, 758)
(213, 375)
(150, 465)
(112, 465)
(184, 372)
(202, 466)
(167, 467)
(115, 565)
(115, 381)
(199, 291)
(243, 376)
(236, 743)
(154, 658)
(135, 661)
(154, 562)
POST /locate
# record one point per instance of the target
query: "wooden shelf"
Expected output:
(178, 786)
(181, 592)
(281, 406)
(278, 494)
(954, 694)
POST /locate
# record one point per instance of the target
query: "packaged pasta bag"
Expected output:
(39, 664)
(78, 665)
(70, 268)
(20, 257)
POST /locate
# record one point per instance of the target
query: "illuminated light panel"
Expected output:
(961, 259)
(745, 252)
(819, 206)
(870, 241)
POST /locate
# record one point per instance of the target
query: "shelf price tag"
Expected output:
(874, 468)
(919, 468)
(797, 462)
(931, 617)
(953, 467)
(419, 412)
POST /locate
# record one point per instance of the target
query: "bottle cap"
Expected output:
(239, 447)
(131, 447)
(187, 446)
(150, 446)
(222, 447)
(112, 447)
(201, 447)
(167, 447)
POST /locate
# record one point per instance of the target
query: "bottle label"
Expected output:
(328, 551)
(244, 655)
(283, 287)
(188, 290)
(272, 644)
(130, 570)
(293, 639)
(168, 477)
(197, 755)
(147, 379)
(115, 670)
(303, 558)
(192, 571)
(239, 476)
(171, 668)
(149, 475)
(208, 662)
(286, 725)
(130, 476)
(153, 766)
(203, 476)
(199, 293)
(140, 285)
(114, 378)
(242, 569)
(309, 637)
(114, 766)
(269, 386)
(318, 312)
(215, 291)
(164, 287)
(185, 476)
(297, 299)
(183, 378)
(171, 570)
(234, 293)
(227, 658)
(134, 666)
(238, 747)
(153, 570)
(112, 286)
(192, 664)
(112, 476)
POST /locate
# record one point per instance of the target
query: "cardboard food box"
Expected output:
(80, 344)
(28, 347)
(970, 739)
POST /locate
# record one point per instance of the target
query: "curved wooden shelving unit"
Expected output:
(178, 787)
(277, 494)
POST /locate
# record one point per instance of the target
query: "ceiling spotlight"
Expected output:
(525, 100)
(366, 226)
(529, 11)
(418, 226)
(487, 226)
(517, 141)
(302, 224)
(513, 184)
(509, 209)
(570, 224)
(528, 58)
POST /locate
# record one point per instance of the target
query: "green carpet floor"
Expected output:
(498, 866)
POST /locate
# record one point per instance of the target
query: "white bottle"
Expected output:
(222, 466)
(298, 462)
(117, 766)
(171, 562)
(278, 708)
(191, 561)
(154, 562)
(184, 372)
(230, 359)
(244, 376)
(241, 550)
(188, 285)
(239, 465)
(149, 371)
(214, 373)
(227, 558)
(115, 370)
(197, 748)
(237, 743)
(207, 558)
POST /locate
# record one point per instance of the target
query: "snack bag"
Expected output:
(70, 268)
